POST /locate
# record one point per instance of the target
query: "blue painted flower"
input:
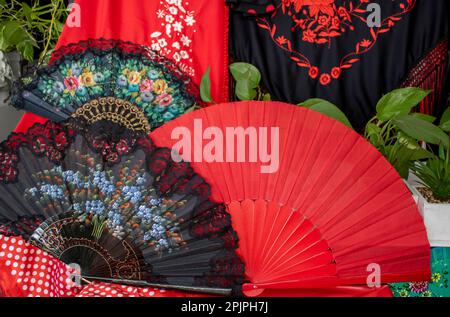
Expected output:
(168, 116)
(140, 180)
(133, 87)
(95, 207)
(77, 207)
(98, 77)
(147, 96)
(76, 70)
(122, 81)
(58, 87)
(153, 74)
(81, 91)
(54, 191)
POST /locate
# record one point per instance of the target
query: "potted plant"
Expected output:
(433, 190)
(25, 32)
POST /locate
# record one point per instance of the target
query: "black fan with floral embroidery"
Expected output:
(108, 80)
(105, 198)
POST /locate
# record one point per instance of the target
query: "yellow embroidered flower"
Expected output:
(87, 79)
(134, 77)
(160, 86)
(426, 294)
(436, 277)
(403, 293)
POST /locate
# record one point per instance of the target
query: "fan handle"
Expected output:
(205, 290)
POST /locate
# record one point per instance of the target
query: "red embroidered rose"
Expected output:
(336, 72)
(313, 72)
(325, 79)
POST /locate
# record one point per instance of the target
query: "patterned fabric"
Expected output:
(438, 286)
(329, 48)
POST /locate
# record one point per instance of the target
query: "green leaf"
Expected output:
(423, 116)
(421, 130)
(267, 97)
(445, 121)
(247, 73)
(399, 102)
(328, 109)
(373, 134)
(420, 154)
(205, 86)
(244, 91)
(26, 50)
(27, 11)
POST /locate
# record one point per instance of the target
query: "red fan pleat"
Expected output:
(333, 208)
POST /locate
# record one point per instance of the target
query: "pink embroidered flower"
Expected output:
(146, 85)
(71, 83)
(164, 100)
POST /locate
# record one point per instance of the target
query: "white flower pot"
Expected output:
(436, 218)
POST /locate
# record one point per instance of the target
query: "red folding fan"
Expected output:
(331, 211)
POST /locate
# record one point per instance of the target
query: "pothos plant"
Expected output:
(398, 134)
(29, 29)
(248, 87)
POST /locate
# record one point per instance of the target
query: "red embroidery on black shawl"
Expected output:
(318, 22)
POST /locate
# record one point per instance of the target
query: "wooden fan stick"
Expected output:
(206, 290)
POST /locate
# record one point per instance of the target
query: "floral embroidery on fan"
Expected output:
(318, 22)
(175, 41)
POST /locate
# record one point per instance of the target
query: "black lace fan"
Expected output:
(105, 198)
(108, 80)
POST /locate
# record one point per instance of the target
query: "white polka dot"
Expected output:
(13, 272)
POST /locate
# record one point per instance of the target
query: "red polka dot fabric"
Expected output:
(115, 290)
(26, 271)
